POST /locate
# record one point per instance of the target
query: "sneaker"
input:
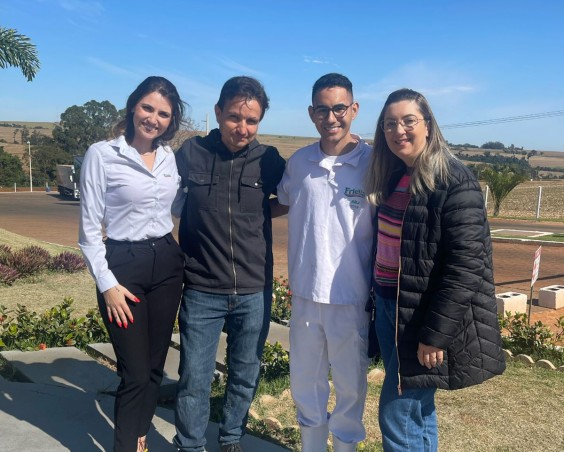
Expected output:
(233, 447)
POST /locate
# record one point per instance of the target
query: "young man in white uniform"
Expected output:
(329, 245)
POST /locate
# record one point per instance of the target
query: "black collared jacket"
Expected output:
(446, 295)
(225, 226)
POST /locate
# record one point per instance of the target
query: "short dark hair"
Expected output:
(150, 85)
(245, 87)
(331, 81)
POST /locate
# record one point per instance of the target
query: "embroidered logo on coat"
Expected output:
(354, 192)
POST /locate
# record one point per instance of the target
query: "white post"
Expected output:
(487, 192)
(539, 203)
(15, 188)
(30, 179)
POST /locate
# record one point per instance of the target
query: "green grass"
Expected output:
(522, 410)
(47, 289)
(556, 238)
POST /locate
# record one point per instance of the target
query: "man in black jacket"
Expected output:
(226, 235)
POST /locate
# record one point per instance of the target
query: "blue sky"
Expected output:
(473, 60)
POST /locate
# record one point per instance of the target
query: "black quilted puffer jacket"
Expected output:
(446, 288)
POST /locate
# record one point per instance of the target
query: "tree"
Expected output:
(81, 126)
(187, 130)
(493, 145)
(44, 159)
(38, 138)
(501, 181)
(17, 50)
(11, 171)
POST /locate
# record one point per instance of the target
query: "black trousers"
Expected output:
(153, 271)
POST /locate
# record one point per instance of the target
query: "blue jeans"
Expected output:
(201, 319)
(409, 421)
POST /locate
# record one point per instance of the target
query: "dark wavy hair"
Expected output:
(150, 85)
(246, 87)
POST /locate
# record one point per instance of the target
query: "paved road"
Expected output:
(552, 227)
(47, 217)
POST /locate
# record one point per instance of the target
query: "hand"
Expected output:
(117, 306)
(429, 356)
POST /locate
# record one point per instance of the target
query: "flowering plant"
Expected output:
(281, 300)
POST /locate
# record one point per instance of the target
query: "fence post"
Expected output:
(539, 202)
(486, 199)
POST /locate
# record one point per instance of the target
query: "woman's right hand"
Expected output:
(117, 306)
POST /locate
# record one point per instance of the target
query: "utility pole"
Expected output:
(207, 123)
(30, 179)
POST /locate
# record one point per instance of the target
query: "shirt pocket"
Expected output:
(202, 191)
(252, 194)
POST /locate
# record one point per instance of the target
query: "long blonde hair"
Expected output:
(431, 166)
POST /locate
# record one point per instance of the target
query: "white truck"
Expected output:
(68, 179)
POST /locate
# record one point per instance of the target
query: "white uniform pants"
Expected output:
(331, 337)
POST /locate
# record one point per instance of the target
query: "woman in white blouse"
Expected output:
(129, 187)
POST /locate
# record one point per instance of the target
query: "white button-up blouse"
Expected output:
(118, 193)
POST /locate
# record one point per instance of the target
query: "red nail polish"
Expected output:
(137, 300)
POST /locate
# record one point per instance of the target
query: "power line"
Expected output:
(485, 122)
(549, 114)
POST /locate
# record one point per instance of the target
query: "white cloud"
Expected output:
(82, 7)
(315, 60)
(112, 68)
(431, 79)
(240, 68)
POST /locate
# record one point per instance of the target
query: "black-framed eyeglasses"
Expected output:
(408, 123)
(339, 110)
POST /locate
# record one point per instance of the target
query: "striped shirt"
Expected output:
(390, 219)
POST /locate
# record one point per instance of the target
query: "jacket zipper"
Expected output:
(397, 298)
(229, 212)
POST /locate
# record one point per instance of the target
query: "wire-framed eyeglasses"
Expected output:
(408, 123)
(339, 110)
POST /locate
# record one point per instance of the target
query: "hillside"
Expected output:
(7, 134)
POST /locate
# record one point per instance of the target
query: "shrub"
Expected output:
(67, 261)
(275, 361)
(5, 255)
(281, 300)
(8, 275)
(30, 260)
(27, 330)
(536, 340)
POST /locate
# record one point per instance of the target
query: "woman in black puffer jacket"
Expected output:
(436, 318)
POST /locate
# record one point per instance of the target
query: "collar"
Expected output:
(351, 158)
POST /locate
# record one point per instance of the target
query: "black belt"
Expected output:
(152, 241)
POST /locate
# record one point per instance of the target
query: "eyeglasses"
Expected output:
(408, 123)
(339, 110)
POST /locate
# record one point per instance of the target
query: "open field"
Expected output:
(286, 145)
(548, 158)
(523, 200)
(7, 134)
